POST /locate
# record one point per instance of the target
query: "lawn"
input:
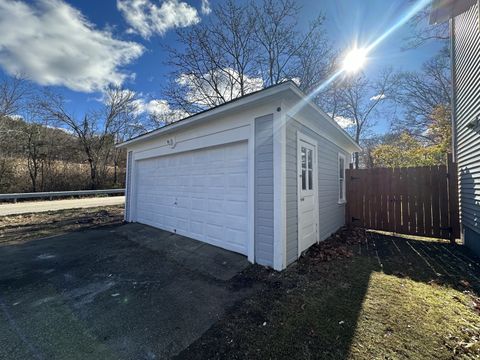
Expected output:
(356, 296)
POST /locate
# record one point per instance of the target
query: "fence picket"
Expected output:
(419, 201)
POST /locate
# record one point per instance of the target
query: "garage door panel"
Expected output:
(213, 219)
(182, 225)
(215, 205)
(201, 194)
(198, 204)
(237, 180)
(237, 208)
(235, 222)
(235, 195)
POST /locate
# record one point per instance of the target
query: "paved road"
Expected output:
(42, 206)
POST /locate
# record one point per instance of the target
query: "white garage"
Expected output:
(261, 175)
(201, 194)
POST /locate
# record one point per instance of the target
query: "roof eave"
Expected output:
(354, 145)
(204, 116)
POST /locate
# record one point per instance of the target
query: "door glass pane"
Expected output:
(342, 168)
(341, 189)
(310, 169)
(304, 167)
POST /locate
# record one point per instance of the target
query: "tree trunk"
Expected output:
(93, 174)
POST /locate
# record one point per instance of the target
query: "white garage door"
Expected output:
(201, 194)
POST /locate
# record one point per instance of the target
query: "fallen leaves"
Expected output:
(337, 246)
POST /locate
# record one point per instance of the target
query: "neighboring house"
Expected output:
(262, 175)
(464, 18)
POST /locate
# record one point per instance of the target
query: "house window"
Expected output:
(341, 178)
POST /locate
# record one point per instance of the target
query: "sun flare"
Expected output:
(355, 60)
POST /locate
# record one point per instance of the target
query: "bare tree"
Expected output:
(421, 92)
(421, 31)
(287, 53)
(243, 48)
(359, 99)
(215, 60)
(96, 128)
(13, 91)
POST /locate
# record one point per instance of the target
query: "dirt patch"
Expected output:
(18, 228)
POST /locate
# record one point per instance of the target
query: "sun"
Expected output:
(354, 60)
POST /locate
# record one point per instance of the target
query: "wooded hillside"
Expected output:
(36, 157)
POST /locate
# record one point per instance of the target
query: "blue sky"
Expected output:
(139, 51)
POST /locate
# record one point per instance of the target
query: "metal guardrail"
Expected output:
(52, 194)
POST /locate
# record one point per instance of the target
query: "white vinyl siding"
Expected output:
(264, 190)
(466, 71)
(331, 213)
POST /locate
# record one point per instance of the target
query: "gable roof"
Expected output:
(287, 86)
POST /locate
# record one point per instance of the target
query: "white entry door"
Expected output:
(307, 198)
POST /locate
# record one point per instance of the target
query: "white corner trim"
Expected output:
(133, 190)
(279, 190)
(284, 120)
(128, 187)
(251, 193)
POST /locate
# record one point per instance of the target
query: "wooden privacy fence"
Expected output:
(419, 201)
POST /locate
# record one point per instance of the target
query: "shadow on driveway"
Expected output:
(134, 292)
(126, 291)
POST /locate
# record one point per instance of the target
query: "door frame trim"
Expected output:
(305, 138)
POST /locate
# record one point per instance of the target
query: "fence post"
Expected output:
(453, 204)
(348, 179)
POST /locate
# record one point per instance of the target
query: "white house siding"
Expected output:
(466, 59)
(331, 213)
(264, 190)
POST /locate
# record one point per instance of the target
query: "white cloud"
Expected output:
(159, 111)
(52, 43)
(343, 121)
(201, 93)
(378, 97)
(206, 9)
(147, 18)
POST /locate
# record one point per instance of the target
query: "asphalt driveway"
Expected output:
(128, 292)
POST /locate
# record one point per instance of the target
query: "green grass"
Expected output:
(375, 300)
